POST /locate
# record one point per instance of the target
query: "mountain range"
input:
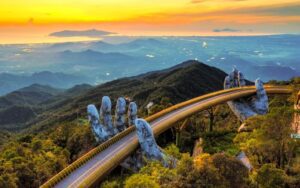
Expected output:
(268, 57)
(20, 106)
(12, 82)
(181, 82)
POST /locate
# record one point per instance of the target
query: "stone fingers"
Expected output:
(241, 79)
(147, 140)
(132, 113)
(227, 82)
(233, 77)
(260, 102)
(98, 131)
(120, 120)
(105, 116)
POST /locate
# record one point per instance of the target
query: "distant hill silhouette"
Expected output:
(18, 107)
(12, 82)
(84, 33)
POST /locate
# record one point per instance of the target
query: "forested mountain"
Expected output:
(59, 133)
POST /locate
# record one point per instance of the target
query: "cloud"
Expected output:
(202, 1)
(282, 9)
(278, 10)
(226, 30)
(92, 33)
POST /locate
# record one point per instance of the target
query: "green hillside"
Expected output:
(206, 146)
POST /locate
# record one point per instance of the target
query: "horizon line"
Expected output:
(149, 36)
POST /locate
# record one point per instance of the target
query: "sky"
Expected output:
(31, 21)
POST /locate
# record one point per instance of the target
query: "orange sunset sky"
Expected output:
(31, 21)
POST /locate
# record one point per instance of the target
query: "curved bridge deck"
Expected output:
(92, 167)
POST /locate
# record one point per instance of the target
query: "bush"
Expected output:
(268, 176)
(141, 181)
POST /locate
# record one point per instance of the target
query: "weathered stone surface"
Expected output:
(132, 113)
(100, 134)
(148, 144)
(120, 119)
(260, 102)
(105, 116)
(103, 129)
(246, 107)
(101, 125)
(147, 140)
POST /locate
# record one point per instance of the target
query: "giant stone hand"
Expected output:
(102, 125)
(103, 129)
(246, 107)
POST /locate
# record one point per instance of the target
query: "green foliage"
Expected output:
(30, 160)
(141, 181)
(110, 184)
(30, 164)
(203, 171)
(4, 137)
(164, 103)
(233, 171)
(160, 174)
(295, 80)
(270, 139)
(268, 176)
(169, 86)
(271, 149)
(220, 141)
(8, 181)
(173, 150)
(197, 173)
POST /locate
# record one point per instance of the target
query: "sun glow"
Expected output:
(155, 17)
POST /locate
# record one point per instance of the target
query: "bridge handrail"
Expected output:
(89, 155)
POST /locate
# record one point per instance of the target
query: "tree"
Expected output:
(173, 151)
(141, 181)
(8, 181)
(110, 184)
(268, 176)
(178, 129)
(162, 176)
(199, 172)
(270, 139)
(211, 115)
(233, 171)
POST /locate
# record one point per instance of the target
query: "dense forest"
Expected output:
(206, 145)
